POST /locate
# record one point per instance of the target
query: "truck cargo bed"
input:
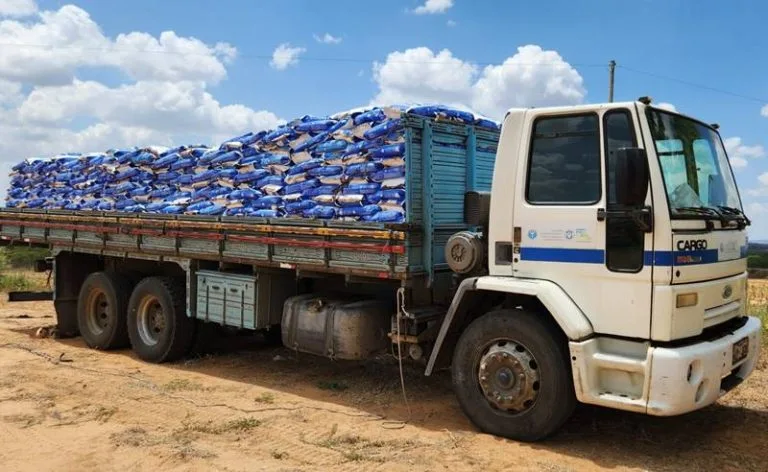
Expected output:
(443, 160)
(365, 249)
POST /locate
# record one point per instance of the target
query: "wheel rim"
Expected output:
(150, 320)
(508, 375)
(98, 318)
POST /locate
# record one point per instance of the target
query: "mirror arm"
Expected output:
(642, 217)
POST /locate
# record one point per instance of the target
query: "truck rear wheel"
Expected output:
(158, 325)
(101, 310)
(511, 376)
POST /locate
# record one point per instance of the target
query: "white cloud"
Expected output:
(45, 109)
(763, 178)
(285, 56)
(739, 153)
(54, 46)
(738, 163)
(171, 57)
(758, 231)
(764, 111)
(419, 75)
(755, 208)
(531, 77)
(171, 107)
(10, 93)
(666, 106)
(17, 8)
(451, 23)
(758, 192)
(433, 6)
(328, 38)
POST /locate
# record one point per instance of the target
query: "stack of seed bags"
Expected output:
(350, 166)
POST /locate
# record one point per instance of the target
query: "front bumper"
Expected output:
(662, 381)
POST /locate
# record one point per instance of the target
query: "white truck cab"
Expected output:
(623, 223)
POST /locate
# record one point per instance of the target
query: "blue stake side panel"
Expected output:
(459, 158)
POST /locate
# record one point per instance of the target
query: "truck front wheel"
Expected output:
(158, 325)
(511, 375)
(101, 310)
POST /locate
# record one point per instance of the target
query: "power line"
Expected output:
(693, 84)
(213, 52)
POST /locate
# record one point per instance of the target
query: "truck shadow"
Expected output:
(719, 437)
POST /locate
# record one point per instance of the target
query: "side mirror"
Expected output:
(632, 177)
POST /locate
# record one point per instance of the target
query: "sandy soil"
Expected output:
(252, 407)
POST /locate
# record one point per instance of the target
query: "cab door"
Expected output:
(570, 231)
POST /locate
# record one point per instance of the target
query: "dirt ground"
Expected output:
(252, 407)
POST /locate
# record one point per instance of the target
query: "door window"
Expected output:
(624, 241)
(564, 166)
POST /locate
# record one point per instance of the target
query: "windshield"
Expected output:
(693, 162)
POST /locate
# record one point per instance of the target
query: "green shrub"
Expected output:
(20, 257)
(3, 259)
(14, 283)
(757, 260)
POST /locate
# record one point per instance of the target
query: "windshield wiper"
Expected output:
(732, 211)
(723, 214)
(701, 210)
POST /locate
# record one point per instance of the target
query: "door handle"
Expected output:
(601, 214)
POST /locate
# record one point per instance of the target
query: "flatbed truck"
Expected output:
(592, 253)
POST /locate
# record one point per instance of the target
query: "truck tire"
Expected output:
(102, 309)
(158, 325)
(512, 376)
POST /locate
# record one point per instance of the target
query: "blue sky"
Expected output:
(92, 92)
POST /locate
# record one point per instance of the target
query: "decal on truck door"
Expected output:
(567, 235)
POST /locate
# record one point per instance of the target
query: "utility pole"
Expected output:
(611, 73)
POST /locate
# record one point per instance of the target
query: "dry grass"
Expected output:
(355, 448)
(176, 445)
(24, 420)
(758, 302)
(182, 385)
(758, 306)
(133, 437)
(266, 398)
(210, 427)
(20, 280)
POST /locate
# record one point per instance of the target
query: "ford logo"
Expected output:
(727, 291)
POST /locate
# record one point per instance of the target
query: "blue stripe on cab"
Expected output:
(648, 258)
(680, 258)
(597, 256)
(555, 254)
